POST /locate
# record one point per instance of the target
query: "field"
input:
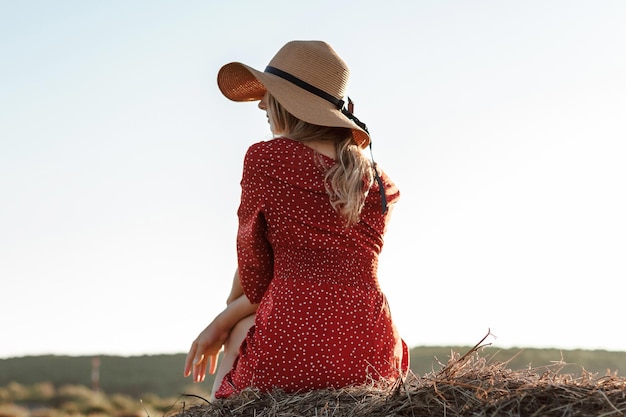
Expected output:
(61, 386)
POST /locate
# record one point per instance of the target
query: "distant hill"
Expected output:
(162, 374)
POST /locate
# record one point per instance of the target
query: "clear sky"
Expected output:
(503, 124)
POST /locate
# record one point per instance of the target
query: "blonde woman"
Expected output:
(305, 311)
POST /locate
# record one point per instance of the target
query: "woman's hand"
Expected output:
(205, 350)
(207, 346)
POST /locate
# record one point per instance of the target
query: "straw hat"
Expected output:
(307, 78)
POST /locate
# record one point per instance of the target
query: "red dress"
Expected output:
(322, 320)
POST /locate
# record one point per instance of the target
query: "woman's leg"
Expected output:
(231, 350)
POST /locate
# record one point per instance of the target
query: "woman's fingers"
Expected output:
(199, 368)
(195, 363)
(200, 365)
(204, 353)
(213, 363)
(189, 360)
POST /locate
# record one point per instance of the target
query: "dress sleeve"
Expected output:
(254, 253)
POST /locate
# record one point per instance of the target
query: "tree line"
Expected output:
(161, 375)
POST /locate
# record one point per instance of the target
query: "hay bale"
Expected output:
(468, 385)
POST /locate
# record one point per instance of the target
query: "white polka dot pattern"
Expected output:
(322, 320)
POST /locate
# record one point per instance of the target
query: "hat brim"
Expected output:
(240, 82)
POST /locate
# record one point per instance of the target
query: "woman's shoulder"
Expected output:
(277, 151)
(275, 145)
(271, 153)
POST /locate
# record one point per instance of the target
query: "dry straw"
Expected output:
(468, 385)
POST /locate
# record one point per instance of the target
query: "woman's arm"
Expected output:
(236, 291)
(206, 348)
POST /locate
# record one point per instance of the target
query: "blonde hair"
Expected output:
(348, 181)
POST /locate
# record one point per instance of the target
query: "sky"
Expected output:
(501, 122)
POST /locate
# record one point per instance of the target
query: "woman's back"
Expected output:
(323, 320)
(305, 309)
(284, 200)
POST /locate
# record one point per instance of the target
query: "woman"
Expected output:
(305, 311)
